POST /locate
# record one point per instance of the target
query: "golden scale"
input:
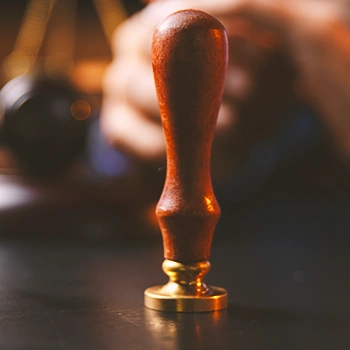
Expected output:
(34, 77)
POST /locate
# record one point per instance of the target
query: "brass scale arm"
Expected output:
(60, 49)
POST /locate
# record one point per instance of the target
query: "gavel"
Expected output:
(189, 59)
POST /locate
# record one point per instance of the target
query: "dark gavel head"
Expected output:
(43, 122)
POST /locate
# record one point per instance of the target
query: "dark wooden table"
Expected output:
(284, 259)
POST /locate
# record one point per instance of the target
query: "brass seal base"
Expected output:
(185, 291)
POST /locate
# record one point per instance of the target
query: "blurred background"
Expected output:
(75, 27)
(60, 175)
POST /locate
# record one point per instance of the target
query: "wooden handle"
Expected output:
(189, 57)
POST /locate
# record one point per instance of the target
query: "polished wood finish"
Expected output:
(287, 271)
(189, 57)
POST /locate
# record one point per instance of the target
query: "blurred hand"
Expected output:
(316, 35)
(265, 36)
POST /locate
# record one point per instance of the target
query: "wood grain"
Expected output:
(189, 57)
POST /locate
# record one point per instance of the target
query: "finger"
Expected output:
(133, 37)
(135, 34)
(227, 119)
(281, 16)
(132, 81)
(324, 74)
(239, 84)
(128, 129)
(251, 50)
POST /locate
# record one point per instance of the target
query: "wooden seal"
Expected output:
(189, 58)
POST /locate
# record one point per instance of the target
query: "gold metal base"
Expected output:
(185, 291)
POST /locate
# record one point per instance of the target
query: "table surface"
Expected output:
(284, 262)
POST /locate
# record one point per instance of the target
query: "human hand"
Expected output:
(316, 36)
(259, 87)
